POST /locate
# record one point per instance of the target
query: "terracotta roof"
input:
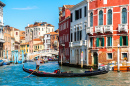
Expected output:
(52, 33)
(22, 33)
(37, 39)
(40, 24)
(68, 6)
(24, 43)
(16, 29)
(22, 38)
(41, 43)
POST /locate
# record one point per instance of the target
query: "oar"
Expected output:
(32, 72)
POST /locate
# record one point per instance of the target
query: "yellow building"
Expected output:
(38, 47)
(24, 47)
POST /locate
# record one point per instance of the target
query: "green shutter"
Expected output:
(97, 42)
(120, 40)
(126, 40)
(102, 41)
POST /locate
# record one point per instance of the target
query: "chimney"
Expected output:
(28, 25)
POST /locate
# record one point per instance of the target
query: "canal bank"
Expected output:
(14, 75)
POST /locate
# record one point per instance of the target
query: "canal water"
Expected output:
(13, 75)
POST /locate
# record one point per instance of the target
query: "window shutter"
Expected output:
(110, 41)
(102, 41)
(120, 40)
(126, 40)
(97, 42)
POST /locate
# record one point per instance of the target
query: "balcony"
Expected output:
(108, 28)
(76, 43)
(85, 42)
(123, 28)
(70, 44)
(99, 29)
(89, 30)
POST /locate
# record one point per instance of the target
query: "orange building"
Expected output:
(54, 40)
(7, 44)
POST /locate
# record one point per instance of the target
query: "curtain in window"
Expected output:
(91, 19)
(109, 41)
(100, 17)
(91, 42)
(109, 17)
(97, 42)
(102, 44)
(120, 40)
(124, 16)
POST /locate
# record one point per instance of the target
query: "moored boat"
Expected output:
(1, 62)
(6, 62)
(64, 74)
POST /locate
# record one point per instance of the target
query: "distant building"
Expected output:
(38, 47)
(37, 29)
(7, 44)
(36, 42)
(64, 33)
(1, 29)
(54, 41)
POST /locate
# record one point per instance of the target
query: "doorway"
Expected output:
(95, 56)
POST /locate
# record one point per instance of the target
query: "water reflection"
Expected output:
(14, 75)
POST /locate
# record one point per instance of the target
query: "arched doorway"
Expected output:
(95, 56)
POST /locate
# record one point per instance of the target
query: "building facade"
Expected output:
(108, 26)
(78, 36)
(47, 41)
(1, 29)
(54, 41)
(64, 33)
(7, 44)
(37, 29)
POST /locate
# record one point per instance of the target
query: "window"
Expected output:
(99, 42)
(109, 17)
(109, 41)
(109, 56)
(76, 14)
(100, 17)
(80, 13)
(71, 17)
(71, 37)
(67, 24)
(42, 29)
(124, 56)
(91, 42)
(85, 11)
(16, 33)
(85, 54)
(91, 19)
(80, 34)
(123, 40)
(124, 16)
(74, 36)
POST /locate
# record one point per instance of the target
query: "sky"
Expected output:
(20, 13)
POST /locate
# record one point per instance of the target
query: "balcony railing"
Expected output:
(123, 27)
(70, 44)
(89, 30)
(84, 42)
(76, 43)
(99, 29)
(108, 28)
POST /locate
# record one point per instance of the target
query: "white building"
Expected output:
(38, 29)
(47, 41)
(12, 43)
(1, 29)
(78, 36)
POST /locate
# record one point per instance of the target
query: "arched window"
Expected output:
(124, 16)
(100, 17)
(91, 19)
(109, 17)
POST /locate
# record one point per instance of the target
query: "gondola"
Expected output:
(64, 74)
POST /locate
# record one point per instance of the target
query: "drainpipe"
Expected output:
(129, 32)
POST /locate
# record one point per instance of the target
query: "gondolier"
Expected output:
(37, 64)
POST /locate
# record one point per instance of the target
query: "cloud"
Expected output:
(27, 8)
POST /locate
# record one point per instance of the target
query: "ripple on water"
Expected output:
(14, 75)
